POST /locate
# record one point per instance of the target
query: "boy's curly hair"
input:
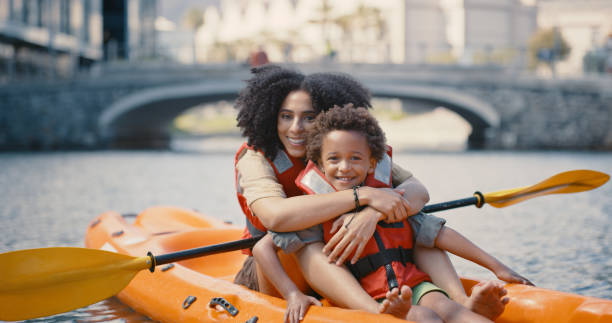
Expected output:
(349, 119)
(260, 101)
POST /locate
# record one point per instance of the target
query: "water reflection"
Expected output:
(108, 310)
(407, 126)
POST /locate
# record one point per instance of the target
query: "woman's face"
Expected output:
(295, 117)
(346, 159)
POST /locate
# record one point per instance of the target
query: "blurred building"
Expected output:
(586, 25)
(48, 37)
(58, 37)
(129, 29)
(369, 31)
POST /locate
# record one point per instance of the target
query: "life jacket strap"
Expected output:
(371, 263)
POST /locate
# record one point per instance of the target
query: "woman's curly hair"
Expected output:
(350, 119)
(259, 102)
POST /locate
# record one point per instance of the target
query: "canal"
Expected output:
(560, 242)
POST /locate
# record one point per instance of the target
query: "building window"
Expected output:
(86, 14)
(39, 13)
(25, 12)
(65, 16)
(11, 10)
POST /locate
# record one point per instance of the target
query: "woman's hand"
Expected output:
(510, 276)
(390, 202)
(297, 305)
(351, 238)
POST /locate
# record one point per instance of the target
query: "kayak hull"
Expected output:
(182, 291)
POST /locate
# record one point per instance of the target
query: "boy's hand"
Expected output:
(297, 305)
(510, 276)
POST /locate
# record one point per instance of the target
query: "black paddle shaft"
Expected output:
(451, 204)
(205, 251)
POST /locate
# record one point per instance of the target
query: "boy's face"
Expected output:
(346, 158)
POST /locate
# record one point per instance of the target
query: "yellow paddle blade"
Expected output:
(566, 182)
(42, 282)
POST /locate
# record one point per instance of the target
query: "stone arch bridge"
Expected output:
(135, 104)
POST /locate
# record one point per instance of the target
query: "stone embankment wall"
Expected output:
(550, 115)
(534, 114)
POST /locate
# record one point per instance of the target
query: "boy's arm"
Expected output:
(267, 259)
(450, 240)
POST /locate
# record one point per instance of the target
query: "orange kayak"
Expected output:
(184, 291)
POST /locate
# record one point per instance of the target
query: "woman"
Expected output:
(276, 108)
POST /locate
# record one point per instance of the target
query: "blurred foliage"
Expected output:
(216, 118)
(495, 56)
(194, 18)
(547, 46)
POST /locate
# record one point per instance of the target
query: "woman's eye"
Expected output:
(285, 116)
(309, 118)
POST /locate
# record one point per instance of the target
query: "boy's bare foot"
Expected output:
(397, 303)
(487, 299)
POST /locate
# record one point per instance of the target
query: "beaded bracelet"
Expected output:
(357, 206)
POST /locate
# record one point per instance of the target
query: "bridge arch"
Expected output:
(143, 118)
(479, 114)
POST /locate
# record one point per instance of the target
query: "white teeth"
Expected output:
(296, 141)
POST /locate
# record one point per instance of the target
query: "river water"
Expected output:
(560, 242)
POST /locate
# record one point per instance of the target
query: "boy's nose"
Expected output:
(344, 165)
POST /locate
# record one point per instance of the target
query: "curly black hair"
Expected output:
(349, 119)
(259, 102)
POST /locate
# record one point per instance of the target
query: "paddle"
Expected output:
(567, 182)
(42, 282)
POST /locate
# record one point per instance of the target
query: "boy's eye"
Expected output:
(356, 158)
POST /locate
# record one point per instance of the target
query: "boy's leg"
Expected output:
(450, 311)
(333, 282)
(486, 299)
(423, 314)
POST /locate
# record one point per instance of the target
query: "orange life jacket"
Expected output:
(286, 169)
(387, 261)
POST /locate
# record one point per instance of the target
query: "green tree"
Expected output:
(548, 46)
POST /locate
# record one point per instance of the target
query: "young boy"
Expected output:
(346, 149)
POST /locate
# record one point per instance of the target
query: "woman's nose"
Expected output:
(297, 125)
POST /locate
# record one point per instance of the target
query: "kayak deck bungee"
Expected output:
(201, 289)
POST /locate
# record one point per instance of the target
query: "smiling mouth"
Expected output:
(345, 179)
(296, 141)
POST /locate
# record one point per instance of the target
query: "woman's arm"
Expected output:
(300, 212)
(450, 240)
(258, 184)
(415, 193)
